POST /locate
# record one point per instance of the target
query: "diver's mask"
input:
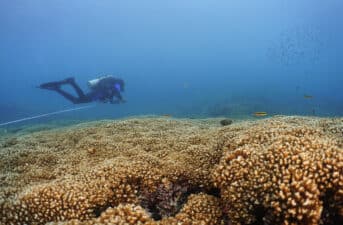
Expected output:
(117, 87)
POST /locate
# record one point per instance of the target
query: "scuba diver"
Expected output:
(102, 89)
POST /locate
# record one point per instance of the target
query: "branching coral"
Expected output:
(199, 209)
(130, 160)
(281, 174)
(87, 198)
(284, 170)
(123, 214)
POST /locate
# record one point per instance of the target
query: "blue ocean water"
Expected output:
(184, 58)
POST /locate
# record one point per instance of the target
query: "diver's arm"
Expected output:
(116, 101)
(113, 101)
(120, 98)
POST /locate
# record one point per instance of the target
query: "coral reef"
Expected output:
(277, 173)
(282, 170)
(123, 214)
(166, 199)
(144, 161)
(199, 209)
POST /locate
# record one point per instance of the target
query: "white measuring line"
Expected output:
(46, 114)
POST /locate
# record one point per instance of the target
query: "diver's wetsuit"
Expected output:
(104, 91)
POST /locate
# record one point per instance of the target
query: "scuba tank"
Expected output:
(94, 84)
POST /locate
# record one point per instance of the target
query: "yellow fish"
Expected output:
(166, 115)
(308, 96)
(260, 114)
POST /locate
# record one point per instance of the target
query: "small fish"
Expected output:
(166, 115)
(260, 114)
(308, 96)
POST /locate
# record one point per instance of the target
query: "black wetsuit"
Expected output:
(104, 91)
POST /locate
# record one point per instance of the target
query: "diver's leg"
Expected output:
(68, 96)
(77, 89)
(75, 100)
(56, 86)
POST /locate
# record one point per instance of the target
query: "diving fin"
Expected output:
(56, 84)
(50, 85)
